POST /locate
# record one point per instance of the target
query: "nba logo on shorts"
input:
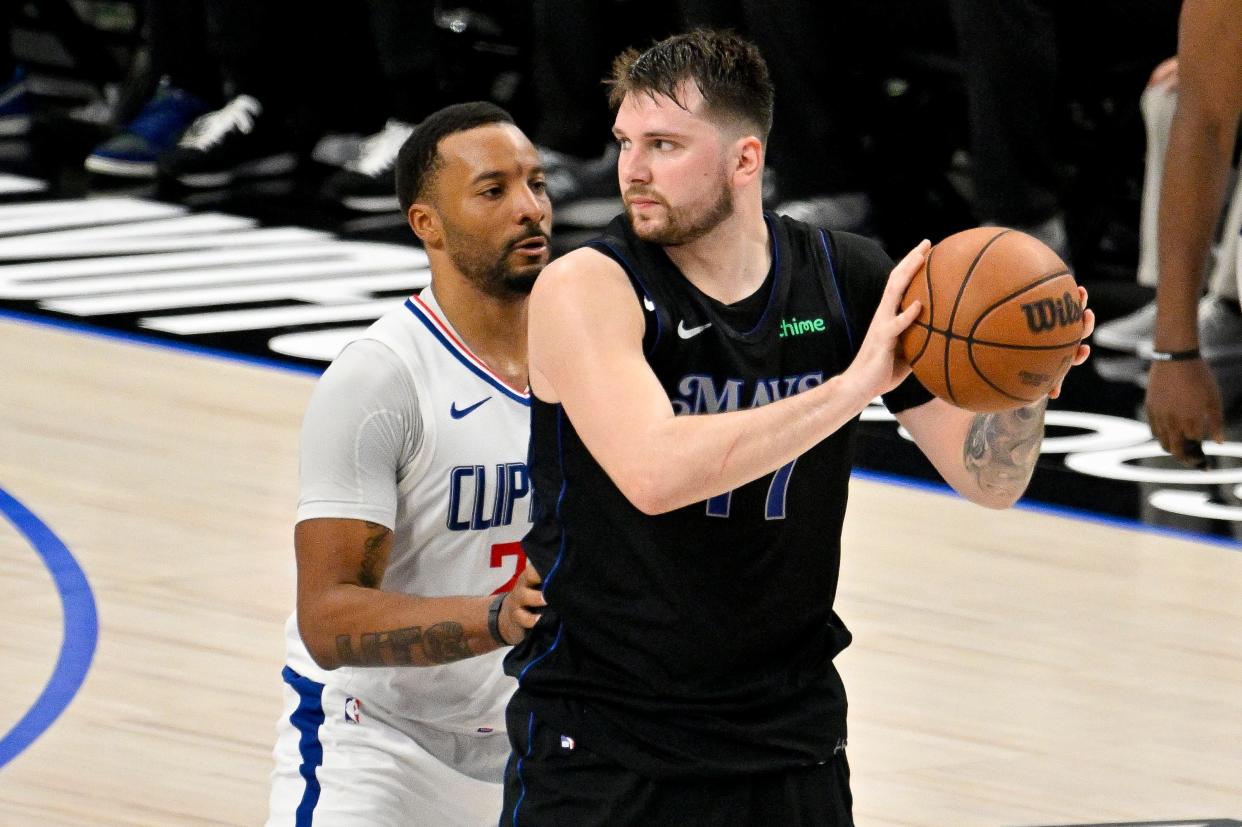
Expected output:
(353, 710)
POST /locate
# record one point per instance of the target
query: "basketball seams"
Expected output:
(972, 340)
(970, 354)
(961, 291)
(995, 305)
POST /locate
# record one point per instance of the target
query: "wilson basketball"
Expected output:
(1000, 323)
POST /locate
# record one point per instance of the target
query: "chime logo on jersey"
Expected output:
(799, 327)
(699, 393)
(481, 497)
(353, 710)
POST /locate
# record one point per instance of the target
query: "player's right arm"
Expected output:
(359, 429)
(345, 619)
(586, 331)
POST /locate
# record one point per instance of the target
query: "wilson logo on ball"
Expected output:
(1045, 314)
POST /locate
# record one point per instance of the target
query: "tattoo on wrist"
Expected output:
(372, 551)
(1001, 448)
(443, 642)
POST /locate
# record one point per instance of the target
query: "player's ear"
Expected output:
(749, 151)
(425, 222)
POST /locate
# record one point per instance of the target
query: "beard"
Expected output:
(682, 225)
(490, 272)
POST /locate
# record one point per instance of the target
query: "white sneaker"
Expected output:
(1220, 332)
(365, 182)
(1129, 332)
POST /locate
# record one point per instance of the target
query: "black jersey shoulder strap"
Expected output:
(655, 307)
(848, 338)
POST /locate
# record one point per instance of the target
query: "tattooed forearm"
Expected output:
(440, 643)
(372, 555)
(1001, 448)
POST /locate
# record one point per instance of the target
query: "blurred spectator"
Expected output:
(1022, 59)
(242, 93)
(575, 42)
(404, 36)
(828, 62)
(189, 86)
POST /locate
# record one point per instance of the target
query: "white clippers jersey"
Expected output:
(463, 503)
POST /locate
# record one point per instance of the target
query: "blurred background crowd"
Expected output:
(901, 119)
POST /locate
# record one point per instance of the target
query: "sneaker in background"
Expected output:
(848, 211)
(134, 151)
(365, 183)
(236, 141)
(1129, 332)
(1220, 331)
(570, 179)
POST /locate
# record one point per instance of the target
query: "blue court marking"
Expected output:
(1056, 510)
(151, 340)
(81, 629)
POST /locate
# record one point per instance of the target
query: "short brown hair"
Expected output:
(728, 70)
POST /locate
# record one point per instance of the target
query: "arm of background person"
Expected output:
(585, 342)
(1183, 401)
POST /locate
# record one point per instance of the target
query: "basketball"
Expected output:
(1000, 323)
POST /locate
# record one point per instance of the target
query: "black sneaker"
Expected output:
(236, 141)
(365, 183)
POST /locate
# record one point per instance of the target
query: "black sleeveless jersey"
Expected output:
(700, 642)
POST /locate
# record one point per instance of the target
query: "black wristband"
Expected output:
(1175, 355)
(493, 619)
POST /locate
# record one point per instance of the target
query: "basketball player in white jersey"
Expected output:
(414, 495)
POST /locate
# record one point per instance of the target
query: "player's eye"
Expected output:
(538, 187)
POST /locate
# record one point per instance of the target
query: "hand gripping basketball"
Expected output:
(880, 366)
(1001, 321)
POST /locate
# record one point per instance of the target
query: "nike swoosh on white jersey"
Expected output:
(690, 332)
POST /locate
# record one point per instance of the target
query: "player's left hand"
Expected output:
(522, 606)
(1084, 350)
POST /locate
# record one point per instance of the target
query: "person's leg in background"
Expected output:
(404, 36)
(575, 42)
(260, 48)
(816, 144)
(1010, 58)
(188, 87)
(14, 95)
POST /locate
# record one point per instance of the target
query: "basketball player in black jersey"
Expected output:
(696, 375)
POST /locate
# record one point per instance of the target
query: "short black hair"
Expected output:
(728, 70)
(420, 156)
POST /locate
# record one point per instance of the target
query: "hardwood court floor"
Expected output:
(1009, 668)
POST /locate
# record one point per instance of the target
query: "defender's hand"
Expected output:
(522, 606)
